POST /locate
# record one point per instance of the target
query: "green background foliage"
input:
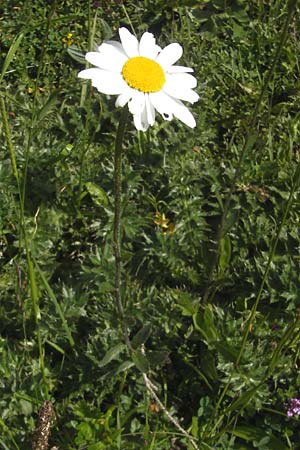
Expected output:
(213, 297)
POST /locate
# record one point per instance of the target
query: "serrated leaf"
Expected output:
(111, 354)
(47, 107)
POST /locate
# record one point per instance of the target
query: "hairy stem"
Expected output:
(117, 222)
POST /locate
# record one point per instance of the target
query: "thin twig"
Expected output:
(151, 388)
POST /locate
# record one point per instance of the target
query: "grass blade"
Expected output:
(56, 304)
(10, 54)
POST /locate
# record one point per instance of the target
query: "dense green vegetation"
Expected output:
(210, 232)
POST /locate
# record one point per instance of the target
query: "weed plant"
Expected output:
(210, 232)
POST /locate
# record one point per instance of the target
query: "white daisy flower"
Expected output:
(144, 76)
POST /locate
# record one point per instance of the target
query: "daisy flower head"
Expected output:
(143, 76)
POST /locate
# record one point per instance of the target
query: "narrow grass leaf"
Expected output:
(10, 54)
(111, 354)
(56, 304)
(124, 366)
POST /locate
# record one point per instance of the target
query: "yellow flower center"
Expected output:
(143, 74)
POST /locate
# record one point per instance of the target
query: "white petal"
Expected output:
(161, 103)
(123, 99)
(179, 69)
(106, 82)
(150, 110)
(169, 55)
(147, 46)
(182, 79)
(106, 45)
(140, 121)
(168, 106)
(129, 42)
(182, 113)
(113, 49)
(179, 86)
(113, 61)
(181, 93)
(88, 74)
(137, 103)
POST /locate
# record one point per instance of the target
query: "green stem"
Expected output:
(117, 222)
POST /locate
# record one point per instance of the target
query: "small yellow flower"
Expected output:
(161, 220)
(68, 40)
(164, 223)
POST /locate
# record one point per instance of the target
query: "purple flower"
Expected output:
(294, 407)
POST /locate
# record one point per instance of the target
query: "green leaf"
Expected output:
(76, 54)
(112, 354)
(194, 428)
(225, 253)
(10, 54)
(97, 446)
(187, 304)
(141, 336)
(141, 362)
(242, 400)
(47, 107)
(248, 433)
(204, 323)
(26, 407)
(97, 194)
(123, 366)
